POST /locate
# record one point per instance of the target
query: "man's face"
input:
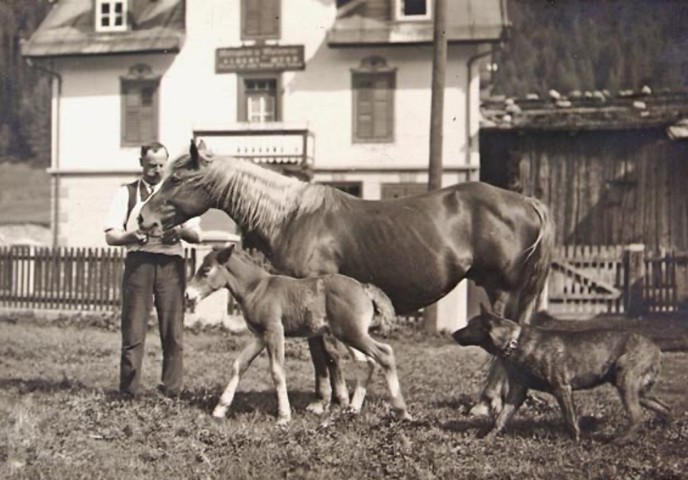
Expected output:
(153, 163)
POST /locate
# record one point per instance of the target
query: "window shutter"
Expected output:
(261, 18)
(139, 112)
(374, 107)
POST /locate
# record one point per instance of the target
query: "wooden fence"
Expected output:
(586, 280)
(65, 278)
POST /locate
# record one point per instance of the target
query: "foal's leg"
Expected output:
(274, 339)
(337, 380)
(363, 378)
(383, 356)
(241, 364)
(323, 390)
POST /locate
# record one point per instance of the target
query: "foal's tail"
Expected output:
(537, 262)
(385, 316)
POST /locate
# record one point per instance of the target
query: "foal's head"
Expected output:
(210, 276)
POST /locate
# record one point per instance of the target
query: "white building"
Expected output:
(336, 89)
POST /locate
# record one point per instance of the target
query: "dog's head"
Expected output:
(495, 334)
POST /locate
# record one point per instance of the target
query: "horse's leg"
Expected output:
(241, 364)
(363, 379)
(323, 390)
(274, 339)
(337, 380)
(383, 356)
(495, 390)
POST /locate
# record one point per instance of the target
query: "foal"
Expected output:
(275, 306)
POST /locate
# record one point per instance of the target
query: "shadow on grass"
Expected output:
(43, 385)
(205, 399)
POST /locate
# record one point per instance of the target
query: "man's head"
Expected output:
(153, 159)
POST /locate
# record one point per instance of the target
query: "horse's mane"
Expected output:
(257, 198)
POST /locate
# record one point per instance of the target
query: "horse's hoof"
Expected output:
(317, 408)
(352, 410)
(283, 423)
(218, 414)
(479, 410)
(405, 417)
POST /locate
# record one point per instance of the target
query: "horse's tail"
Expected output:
(537, 262)
(385, 316)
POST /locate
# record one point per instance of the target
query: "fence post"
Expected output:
(634, 263)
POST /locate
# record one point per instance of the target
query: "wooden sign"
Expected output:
(259, 58)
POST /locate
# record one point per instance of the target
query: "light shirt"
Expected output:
(117, 220)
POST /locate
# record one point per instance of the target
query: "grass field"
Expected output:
(60, 417)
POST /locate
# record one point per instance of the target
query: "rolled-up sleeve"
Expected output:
(117, 216)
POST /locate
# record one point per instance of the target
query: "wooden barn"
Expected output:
(614, 172)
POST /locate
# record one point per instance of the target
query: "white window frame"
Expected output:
(112, 15)
(401, 16)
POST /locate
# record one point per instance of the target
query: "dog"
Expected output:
(560, 361)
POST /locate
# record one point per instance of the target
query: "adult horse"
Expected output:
(416, 249)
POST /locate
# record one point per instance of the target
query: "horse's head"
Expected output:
(210, 276)
(180, 197)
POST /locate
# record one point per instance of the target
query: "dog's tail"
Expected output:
(536, 263)
(385, 316)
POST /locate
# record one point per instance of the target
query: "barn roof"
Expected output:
(69, 29)
(589, 111)
(373, 22)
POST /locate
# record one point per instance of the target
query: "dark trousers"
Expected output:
(148, 278)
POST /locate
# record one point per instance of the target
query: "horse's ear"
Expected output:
(193, 153)
(224, 254)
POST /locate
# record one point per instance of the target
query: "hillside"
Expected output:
(593, 45)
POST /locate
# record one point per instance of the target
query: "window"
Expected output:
(258, 99)
(111, 15)
(413, 9)
(373, 102)
(139, 91)
(402, 189)
(352, 188)
(260, 19)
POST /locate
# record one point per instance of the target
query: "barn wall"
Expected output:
(603, 187)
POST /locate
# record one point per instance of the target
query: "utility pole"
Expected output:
(439, 69)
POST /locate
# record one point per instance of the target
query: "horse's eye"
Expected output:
(175, 179)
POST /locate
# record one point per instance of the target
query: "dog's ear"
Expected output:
(484, 309)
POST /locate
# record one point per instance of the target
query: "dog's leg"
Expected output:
(565, 398)
(656, 406)
(365, 368)
(628, 390)
(274, 338)
(323, 390)
(241, 364)
(515, 398)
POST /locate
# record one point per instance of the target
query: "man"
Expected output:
(153, 272)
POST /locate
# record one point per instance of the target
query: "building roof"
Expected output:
(69, 30)
(364, 22)
(589, 111)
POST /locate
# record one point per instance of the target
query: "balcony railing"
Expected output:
(286, 148)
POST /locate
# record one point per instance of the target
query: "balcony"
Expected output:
(288, 149)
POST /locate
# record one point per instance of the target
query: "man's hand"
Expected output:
(140, 237)
(171, 236)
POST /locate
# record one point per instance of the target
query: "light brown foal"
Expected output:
(275, 306)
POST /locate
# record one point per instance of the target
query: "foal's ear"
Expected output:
(224, 254)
